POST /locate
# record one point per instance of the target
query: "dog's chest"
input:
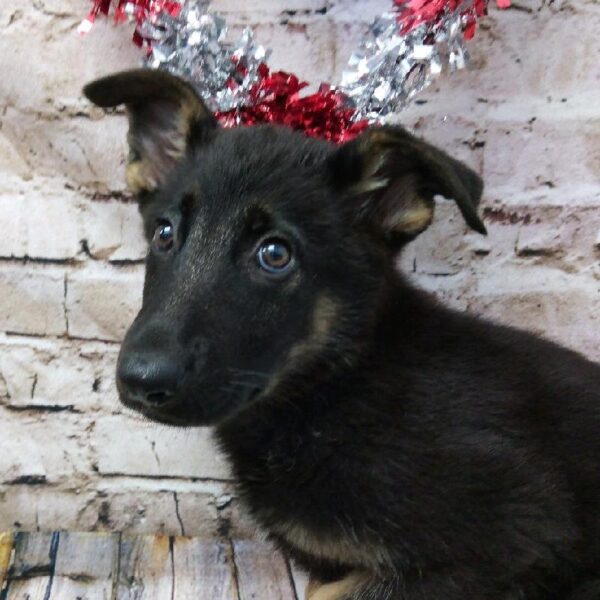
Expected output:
(338, 547)
(294, 490)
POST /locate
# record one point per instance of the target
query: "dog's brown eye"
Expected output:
(164, 234)
(274, 256)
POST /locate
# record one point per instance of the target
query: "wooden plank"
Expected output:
(98, 566)
(262, 572)
(203, 570)
(85, 566)
(33, 554)
(6, 548)
(35, 588)
(33, 566)
(145, 568)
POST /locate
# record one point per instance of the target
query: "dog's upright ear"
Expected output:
(394, 177)
(166, 117)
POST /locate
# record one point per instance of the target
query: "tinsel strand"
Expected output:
(402, 53)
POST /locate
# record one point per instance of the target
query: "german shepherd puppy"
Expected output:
(395, 449)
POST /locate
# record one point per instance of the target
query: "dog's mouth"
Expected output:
(163, 417)
(159, 407)
(186, 411)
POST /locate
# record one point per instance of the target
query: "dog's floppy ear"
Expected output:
(394, 176)
(166, 117)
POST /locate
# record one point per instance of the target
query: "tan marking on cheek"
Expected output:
(323, 320)
(324, 317)
(337, 590)
(412, 219)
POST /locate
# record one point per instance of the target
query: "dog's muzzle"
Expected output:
(148, 380)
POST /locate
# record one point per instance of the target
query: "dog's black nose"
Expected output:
(148, 378)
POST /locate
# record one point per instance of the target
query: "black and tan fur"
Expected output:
(395, 449)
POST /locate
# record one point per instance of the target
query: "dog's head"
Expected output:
(268, 251)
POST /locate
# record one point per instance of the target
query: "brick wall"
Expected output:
(526, 117)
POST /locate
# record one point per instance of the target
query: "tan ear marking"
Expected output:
(368, 185)
(156, 154)
(338, 590)
(389, 166)
(138, 178)
(412, 220)
(370, 181)
(166, 116)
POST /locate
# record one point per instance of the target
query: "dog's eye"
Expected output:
(274, 255)
(164, 235)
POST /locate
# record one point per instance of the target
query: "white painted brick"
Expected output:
(11, 161)
(431, 257)
(539, 240)
(448, 247)
(340, 10)
(121, 507)
(269, 7)
(537, 268)
(32, 300)
(52, 225)
(113, 231)
(130, 446)
(547, 301)
(81, 150)
(43, 446)
(546, 52)
(56, 374)
(528, 157)
(42, 227)
(152, 512)
(4, 394)
(69, 60)
(41, 508)
(16, 459)
(306, 48)
(203, 506)
(102, 303)
(358, 11)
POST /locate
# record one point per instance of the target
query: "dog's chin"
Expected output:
(181, 414)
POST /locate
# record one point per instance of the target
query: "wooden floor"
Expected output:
(104, 566)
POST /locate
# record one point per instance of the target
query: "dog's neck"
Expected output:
(272, 424)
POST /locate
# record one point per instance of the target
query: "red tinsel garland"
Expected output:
(139, 10)
(276, 98)
(412, 13)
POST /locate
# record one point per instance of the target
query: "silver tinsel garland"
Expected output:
(391, 66)
(193, 45)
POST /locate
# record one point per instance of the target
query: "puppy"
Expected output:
(394, 448)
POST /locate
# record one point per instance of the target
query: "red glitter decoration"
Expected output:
(418, 12)
(140, 10)
(276, 99)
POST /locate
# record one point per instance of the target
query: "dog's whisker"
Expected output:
(243, 384)
(260, 374)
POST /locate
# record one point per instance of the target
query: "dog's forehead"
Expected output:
(276, 169)
(249, 156)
